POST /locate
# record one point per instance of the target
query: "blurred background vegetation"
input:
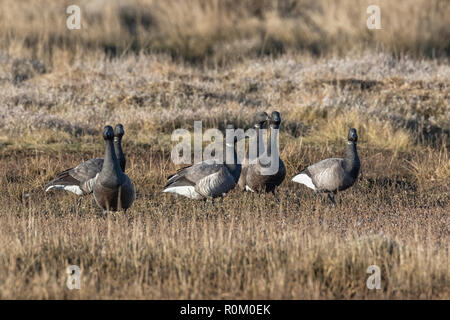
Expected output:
(222, 31)
(156, 66)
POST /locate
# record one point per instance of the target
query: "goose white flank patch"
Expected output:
(247, 188)
(186, 191)
(304, 179)
(75, 189)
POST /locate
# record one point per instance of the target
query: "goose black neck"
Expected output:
(234, 168)
(351, 158)
(260, 140)
(119, 153)
(111, 165)
(273, 137)
(231, 149)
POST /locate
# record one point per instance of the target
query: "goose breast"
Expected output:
(116, 197)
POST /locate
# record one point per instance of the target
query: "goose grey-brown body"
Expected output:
(111, 187)
(333, 174)
(251, 178)
(206, 179)
(277, 178)
(254, 177)
(76, 179)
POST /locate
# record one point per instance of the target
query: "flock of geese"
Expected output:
(113, 190)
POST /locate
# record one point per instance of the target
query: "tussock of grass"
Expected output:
(431, 168)
(333, 126)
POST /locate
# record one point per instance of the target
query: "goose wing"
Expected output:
(204, 179)
(216, 184)
(73, 179)
(193, 174)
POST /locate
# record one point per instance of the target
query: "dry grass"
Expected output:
(59, 89)
(395, 217)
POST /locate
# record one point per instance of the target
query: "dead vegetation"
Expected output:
(59, 90)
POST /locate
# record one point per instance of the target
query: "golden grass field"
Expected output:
(60, 89)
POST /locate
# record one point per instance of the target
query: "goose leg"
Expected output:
(277, 200)
(204, 203)
(331, 197)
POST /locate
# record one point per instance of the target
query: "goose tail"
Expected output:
(64, 181)
(305, 179)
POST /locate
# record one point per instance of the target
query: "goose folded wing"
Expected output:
(194, 173)
(216, 184)
(73, 179)
(88, 169)
(326, 174)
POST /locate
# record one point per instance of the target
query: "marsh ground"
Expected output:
(396, 216)
(158, 66)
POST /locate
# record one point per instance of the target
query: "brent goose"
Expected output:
(253, 177)
(277, 178)
(250, 167)
(73, 179)
(206, 179)
(334, 174)
(111, 187)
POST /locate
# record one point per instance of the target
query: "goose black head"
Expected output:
(261, 119)
(275, 119)
(118, 131)
(108, 133)
(352, 136)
